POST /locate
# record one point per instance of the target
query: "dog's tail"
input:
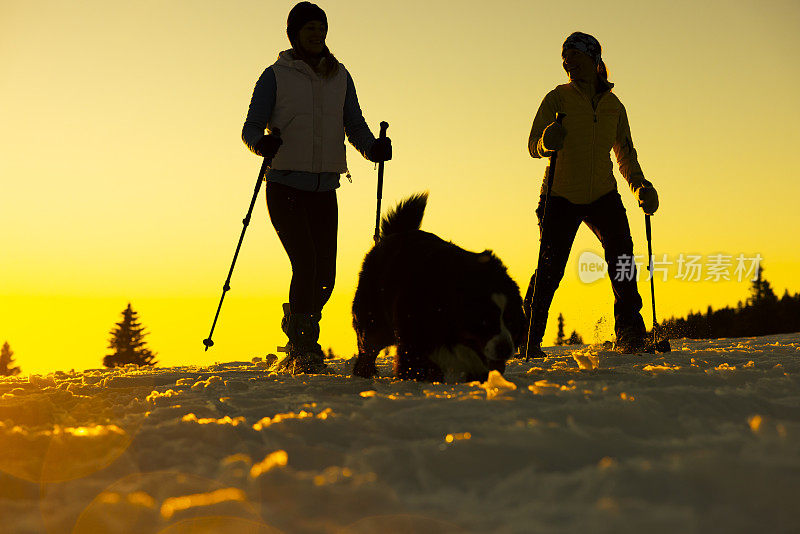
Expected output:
(407, 216)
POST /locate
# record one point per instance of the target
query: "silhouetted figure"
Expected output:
(7, 360)
(310, 97)
(584, 188)
(127, 342)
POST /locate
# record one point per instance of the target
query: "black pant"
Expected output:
(607, 219)
(306, 222)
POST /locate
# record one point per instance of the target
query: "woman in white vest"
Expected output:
(585, 190)
(310, 99)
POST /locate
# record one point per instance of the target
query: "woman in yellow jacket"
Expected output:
(585, 190)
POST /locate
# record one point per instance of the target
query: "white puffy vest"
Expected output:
(309, 112)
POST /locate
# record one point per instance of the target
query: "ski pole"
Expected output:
(384, 127)
(245, 222)
(551, 173)
(649, 233)
(663, 345)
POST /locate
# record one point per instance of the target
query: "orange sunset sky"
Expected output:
(123, 176)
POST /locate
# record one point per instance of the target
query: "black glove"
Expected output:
(648, 197)
(268, 146)
(553, 137)
(381, 150)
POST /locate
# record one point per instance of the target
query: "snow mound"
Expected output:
(704, 438)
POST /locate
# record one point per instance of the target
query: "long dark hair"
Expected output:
(602, 73)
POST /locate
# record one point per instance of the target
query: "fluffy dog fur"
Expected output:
(453, 315)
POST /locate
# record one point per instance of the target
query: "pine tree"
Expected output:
(127, 341)
(760, 291)
(575, 339)
(560, 336)
(6, 360)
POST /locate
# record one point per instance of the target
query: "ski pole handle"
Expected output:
(551, 169)
(268, 163)
(384, 127)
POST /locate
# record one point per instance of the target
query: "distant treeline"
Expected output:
(760, 315)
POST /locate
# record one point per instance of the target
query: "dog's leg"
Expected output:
(365, 364)
(369, 345)
(372, 330)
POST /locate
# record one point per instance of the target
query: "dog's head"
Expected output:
(493, 322)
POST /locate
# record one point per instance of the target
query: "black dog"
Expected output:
(453, 315)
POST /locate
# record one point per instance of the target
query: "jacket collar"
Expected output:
(575, 87)
(327, 67)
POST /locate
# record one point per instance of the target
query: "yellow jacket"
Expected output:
(584, 170)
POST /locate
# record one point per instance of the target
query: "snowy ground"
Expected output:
(706, 438)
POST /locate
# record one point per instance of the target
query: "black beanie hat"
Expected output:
(301, 14)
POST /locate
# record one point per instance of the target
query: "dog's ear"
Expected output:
(486, 256)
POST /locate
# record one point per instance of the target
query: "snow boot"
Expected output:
(632, 341)
(537, 352)
(536, 332)
(304, 353)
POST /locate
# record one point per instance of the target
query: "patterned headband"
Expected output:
(585, 43)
